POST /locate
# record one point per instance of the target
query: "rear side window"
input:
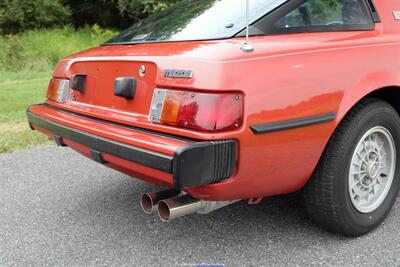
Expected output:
(318, 16)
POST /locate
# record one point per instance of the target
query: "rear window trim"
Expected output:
(374, 11)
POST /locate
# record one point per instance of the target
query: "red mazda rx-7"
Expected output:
(229, 100)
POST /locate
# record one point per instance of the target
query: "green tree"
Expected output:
(325, 10)
(114, 13)
(89, 12)
(19, 15)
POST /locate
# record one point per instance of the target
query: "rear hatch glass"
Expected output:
(191, 20)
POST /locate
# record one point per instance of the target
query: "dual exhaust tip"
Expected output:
(150, 201)
(172, 204)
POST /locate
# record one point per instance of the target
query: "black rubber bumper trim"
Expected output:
(204, 163)
(134, 154)
(291, 124)
(193, 164)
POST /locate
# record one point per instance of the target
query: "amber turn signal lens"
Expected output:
(199, 111)
(52, 90)
(171, 108)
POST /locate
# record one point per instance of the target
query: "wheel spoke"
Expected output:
(362, 158)
(355, 185)
(356, 194)
(372, 191)
(360, 172)
(380, 148)
(356, 164)
(370, 141)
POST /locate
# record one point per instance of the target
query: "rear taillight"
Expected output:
(58, 90)
(199, 111)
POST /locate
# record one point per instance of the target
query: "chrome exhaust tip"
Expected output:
(177, 207)
(149, 201)
(182, 205)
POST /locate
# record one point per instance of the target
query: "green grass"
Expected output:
(17, 92)
(26, 64)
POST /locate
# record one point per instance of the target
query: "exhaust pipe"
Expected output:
(183, 205)
(150, 201)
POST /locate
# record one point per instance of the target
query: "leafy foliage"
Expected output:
(323, 10)
(139, 9)
(40, 50)
(19, 15)
(118, 13)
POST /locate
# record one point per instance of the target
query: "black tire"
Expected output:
(326, 195)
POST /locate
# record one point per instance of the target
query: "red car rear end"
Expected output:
(187, 107)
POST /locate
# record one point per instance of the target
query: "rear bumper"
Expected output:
(170, 160)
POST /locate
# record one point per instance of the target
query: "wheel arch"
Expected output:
(382, 84)
(389, 94)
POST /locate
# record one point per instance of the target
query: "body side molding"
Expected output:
(291, 124)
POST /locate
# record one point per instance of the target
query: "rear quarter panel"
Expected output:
(316, 74)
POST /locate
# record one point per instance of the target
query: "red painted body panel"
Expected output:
(287, 77)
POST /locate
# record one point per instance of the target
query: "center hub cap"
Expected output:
(373, 170)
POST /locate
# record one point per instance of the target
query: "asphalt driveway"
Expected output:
(58, 208)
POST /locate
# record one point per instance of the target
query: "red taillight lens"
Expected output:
(58, 90)
(199, 111)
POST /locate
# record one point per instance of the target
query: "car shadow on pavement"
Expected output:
(276, 217)
(276, 227)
